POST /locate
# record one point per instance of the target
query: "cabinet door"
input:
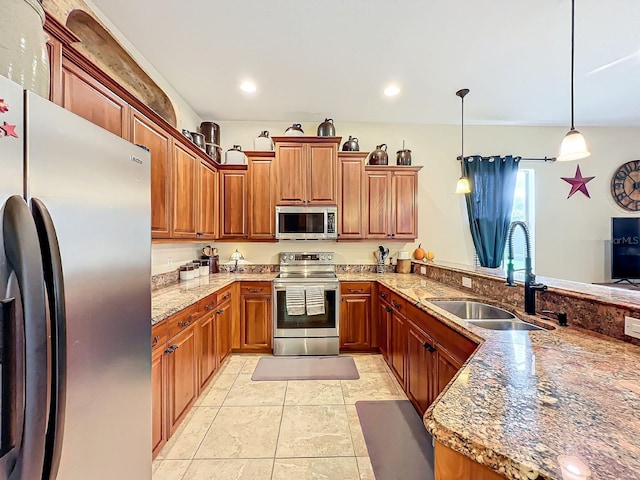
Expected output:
(420, 368)
(355, 322)
(447, 367)
(351, 198)
(223, 332)
(207, 358)
(291, 174)
(384, 324)
(54, 51)
(378, 192)
(207, 206)
(183, 381)
(86, 97)
(404, 210)
(158, 400)
(398, 345)
(261, 199)
(233, 204)
(185, 172)
(321, 173)
(256, 327)
(145, 132)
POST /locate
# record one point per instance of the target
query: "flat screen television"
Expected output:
(625, 248)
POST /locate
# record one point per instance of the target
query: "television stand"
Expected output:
(631, 282)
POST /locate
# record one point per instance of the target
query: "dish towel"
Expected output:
(295, 300)
(315, 300)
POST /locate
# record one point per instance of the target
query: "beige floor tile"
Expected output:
(370, 363)
(217, 391)
(174, 438)
(344, 468)
(314, 431)
(233, 365)
(246, 392)
(359, 445)
(371, 386)
(242, 432)
(230, 469)
(171, 470)
(250, 365)
(366, 470)
(189, 440)
(314, 392)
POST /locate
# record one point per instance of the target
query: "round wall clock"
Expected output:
(625, 186)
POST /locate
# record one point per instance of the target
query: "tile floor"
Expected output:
(297, 430)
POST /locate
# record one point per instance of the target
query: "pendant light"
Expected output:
(573, 146)
(463, 185)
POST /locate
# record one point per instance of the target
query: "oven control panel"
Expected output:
(307, 258)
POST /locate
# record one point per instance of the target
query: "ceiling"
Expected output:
(312, 59)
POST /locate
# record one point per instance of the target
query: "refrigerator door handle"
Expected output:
(20, 244)
(54, 281)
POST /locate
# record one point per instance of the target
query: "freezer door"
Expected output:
(96, 187)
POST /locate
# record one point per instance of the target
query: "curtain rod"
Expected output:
(545, 159)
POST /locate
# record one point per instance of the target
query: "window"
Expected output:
(523, 210)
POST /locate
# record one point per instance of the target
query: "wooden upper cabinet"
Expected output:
(306, 170)
(378, 195)
(207, 204)
(351, 198)
(185, 172)
(261, 198)
(233, 204)
(147, 133)
(88, 98)
(404, 192)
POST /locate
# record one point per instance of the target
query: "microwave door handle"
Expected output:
(21, 247)
(54, 281)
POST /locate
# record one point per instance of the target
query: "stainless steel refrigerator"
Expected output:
(75, 300)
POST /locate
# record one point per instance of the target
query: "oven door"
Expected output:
(307, 326)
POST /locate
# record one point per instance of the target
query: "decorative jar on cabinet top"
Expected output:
(23, 45)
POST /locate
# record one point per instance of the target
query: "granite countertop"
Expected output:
(523, 398)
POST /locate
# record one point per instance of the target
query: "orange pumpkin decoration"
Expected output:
(419, 253)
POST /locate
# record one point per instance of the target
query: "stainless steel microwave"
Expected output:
(306, 223)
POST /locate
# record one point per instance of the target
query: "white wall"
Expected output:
(570, 233)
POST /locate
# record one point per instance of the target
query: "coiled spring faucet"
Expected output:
(530, 285)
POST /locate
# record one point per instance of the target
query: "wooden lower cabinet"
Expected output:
(446, 367)
(182, 374)
(355, 322)
(384, 325)
(256, 324)
(421, 361)
(398, 345)
(223, 331)
(207, 354)
(158, 399)
(451, 465)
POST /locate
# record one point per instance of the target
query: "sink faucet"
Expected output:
(530, 285)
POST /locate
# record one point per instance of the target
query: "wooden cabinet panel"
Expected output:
(355, 322)
(86, 97)
(291, 173)
(256, 328)
(351, 198)
(420, 368)
(183, 382)
(321, 186)
(54, 51)
(233, 204)
(404, 186)
(398, 345)
(384, 325)
(261, 199)
(451, 465)
(158, 400)
(223, 331)
(207, 204)
(185, 171)
(447, 368)
(207, 358)
(379, 206)
(145, 132)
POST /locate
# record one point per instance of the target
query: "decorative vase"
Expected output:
(23, 45)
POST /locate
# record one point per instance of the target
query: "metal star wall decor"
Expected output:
(578, 183)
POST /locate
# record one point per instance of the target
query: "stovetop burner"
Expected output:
(307, 267)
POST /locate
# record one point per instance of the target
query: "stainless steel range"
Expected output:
(306, 311)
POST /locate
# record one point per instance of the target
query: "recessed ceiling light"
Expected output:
(248, 87)
(392, 90)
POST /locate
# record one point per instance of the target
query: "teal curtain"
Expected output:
(489, 205)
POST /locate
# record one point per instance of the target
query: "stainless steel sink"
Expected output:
(505, 325)
(474, 310)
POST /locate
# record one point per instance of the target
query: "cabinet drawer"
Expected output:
(183, 319)
(207, 304)
(355, 288)
(384, 293)
(398, 303)
(223, 295)
(159, 334)
(255, 288)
